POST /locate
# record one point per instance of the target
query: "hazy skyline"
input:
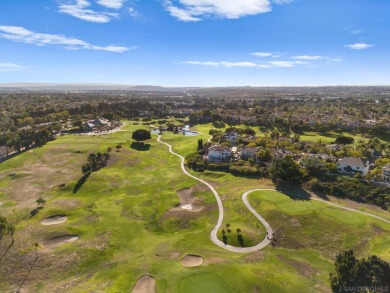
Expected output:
(196, 42)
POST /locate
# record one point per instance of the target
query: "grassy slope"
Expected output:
(120, 215)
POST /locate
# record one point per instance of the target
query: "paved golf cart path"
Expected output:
(266, 241)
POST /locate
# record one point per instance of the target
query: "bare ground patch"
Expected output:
(301, 267)
(191, 260)
(187, 200)
(54, 220)
(145, 284)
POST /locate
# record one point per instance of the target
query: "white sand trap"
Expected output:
(54, 220)
(191, 260)
(187, 200)
(59, 240)
(145, 284)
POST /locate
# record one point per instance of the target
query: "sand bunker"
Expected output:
(145, 284)
(54, 220)
(187, 201)
(59, 240)
(191, 260)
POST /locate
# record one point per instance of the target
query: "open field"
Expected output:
(127, 227)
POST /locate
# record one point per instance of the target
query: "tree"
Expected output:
(351, 274)
(200, 144)
(6, 228)
(285, 169)
(141, 135)
(78, 124)
(344, 139)
(41, 202)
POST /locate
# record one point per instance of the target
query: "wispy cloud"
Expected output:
(133, 13)
(228, 64)
(286, 64)
(359, 46)
(196, 10)
(222, 63)
(9, 67)
(20, 34)
(282, 1)
(337, 59)
(308, 57)
(113, 4)
(79, 10)
(266, 54)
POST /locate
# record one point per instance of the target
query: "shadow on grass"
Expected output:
(35, 211)
(8, 248)
(80, 183)
(140, 146)
(218, 124)
(294, 191)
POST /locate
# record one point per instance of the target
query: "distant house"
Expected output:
(232, 137)
(353, 166)
(249, 152)
(88, 126)
(3, 151)
(333, 147)
(96, 123)
(386, 173)
(219, 153)
(282, 153)
(100, 122)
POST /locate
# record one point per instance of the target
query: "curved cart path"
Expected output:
(213, 234)
(266, 241)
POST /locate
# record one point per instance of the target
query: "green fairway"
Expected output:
(124, 215)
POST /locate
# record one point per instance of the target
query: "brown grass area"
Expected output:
(301, 267)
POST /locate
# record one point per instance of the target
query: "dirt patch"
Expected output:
(59, 240)
(301, 267)
(255, 257)
(145, 284)
(191, 260)
(67, 204)
(214, 260)
(54, 220)
(187, 200)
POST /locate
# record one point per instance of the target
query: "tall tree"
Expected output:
(141, 135)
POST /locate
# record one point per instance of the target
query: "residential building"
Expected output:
(249, 152)
(386, 173)
(219, 153)
(353, 166)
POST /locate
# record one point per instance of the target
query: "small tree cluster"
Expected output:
(95, 162)
(352, 274)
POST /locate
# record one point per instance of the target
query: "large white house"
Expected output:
(353, 166)
(249, 152)
(219, 153)
(386, 173)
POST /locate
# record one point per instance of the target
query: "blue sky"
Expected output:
(196, 42)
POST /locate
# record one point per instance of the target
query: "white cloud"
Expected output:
(133, 13)
(308, 57)
(228, 64)
(20, 34)
(196, 10)
(9, 67)
(286, 64)
(282, 1)
(113, 4)
(337, 59)
(359, 46)
(223, 63)
(79, 10)
(262, 54)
